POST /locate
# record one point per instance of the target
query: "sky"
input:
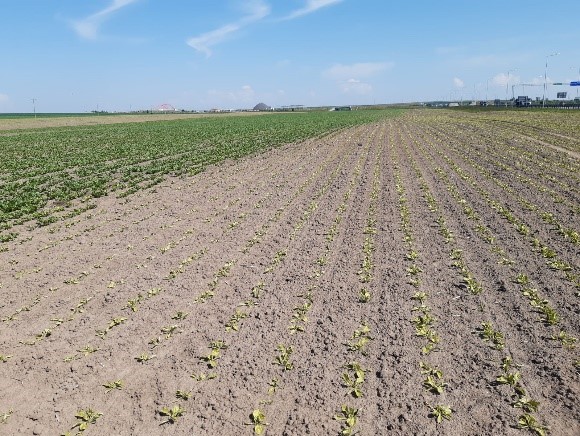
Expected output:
(121, 55)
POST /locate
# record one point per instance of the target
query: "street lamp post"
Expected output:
(572, 68)
(546, 77)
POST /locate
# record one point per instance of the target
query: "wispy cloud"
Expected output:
(310, 7)
(356, 71)
(504, 79)
(458, 82)
(256, 10)
(4, 98)
(355, 86)
(88, 27)
(348, 78)
(243, 96)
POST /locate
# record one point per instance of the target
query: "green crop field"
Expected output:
(41, 168)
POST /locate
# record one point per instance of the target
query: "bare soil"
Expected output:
(91, 120)
(255, 232)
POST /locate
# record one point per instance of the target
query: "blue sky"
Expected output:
(116, 55)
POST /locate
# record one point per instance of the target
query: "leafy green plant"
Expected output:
(86, 417)
(559, 265)
(144, 357)
(258, 420)
(134, 302)
(257, 290)
(522, 279)
(348, 415)
(527, 404)
(88, 350)
(180, 315)
(203, 376)
(233, 323)
(203, 297)
(183, 395)
(169, 330)
(441, 412)
(354, 380)
(510, 378)
(428, 370)
(420, 297)
(153, 292)
(412, 255)
(4, 358)
(506, 363)
(547, 252)
(362, 336)
(212, 358)
(283, 359)
(414, 270)
(117, 384)
(4, 416)
(364, 295)
(273, 386)
(551, 317)
(432, 384)
(171, 413)
(565, 339)
(490, 335)
(529, 422)
(472, 285)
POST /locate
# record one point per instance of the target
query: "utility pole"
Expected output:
(34, 107)
(546, 77)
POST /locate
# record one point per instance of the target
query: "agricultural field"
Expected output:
(372, 272)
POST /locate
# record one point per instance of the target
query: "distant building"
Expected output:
(262, 107)
(523, 100)
(342, 108)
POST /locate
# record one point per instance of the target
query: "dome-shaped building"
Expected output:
(262, 107)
